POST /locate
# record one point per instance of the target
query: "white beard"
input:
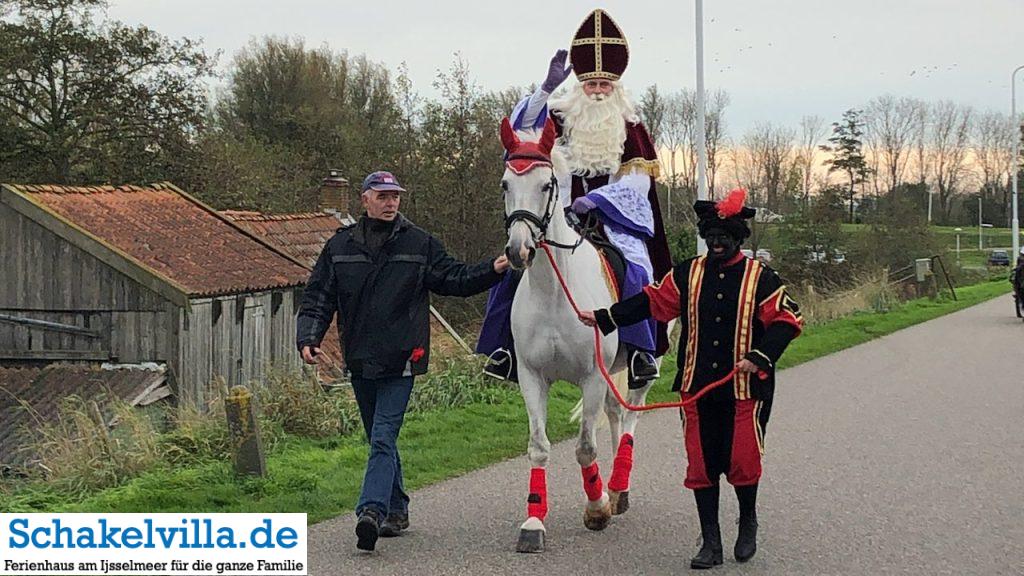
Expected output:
(594, 130)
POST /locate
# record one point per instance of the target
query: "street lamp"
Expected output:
(958, 231)
(702, 151)
(980, 224)
(1015, 223)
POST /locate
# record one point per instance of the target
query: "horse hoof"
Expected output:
(619, 501)
(597, 520)
(530, 541)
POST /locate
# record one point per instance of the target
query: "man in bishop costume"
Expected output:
(613, 167)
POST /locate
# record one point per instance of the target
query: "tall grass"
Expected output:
(300, 406)
(461, 382)
(83, 452)
(871, 294)
(79, 453)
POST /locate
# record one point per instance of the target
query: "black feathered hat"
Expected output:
(729, 214)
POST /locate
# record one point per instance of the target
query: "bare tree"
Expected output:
(687, 107)
(949, 139)
(672, 138)
(714, 134)
(771, 150)
(653, 109)
(993, 156)
(919, 140)
(812, 130)
(890, 131)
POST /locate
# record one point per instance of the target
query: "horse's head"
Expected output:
(530, 190)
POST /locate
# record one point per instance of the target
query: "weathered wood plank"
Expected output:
(59, 226)
(97, 355)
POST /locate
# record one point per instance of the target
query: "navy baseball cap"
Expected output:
(381, 181)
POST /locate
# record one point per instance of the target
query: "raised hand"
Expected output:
(557, 71)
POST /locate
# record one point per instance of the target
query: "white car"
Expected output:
(838, 256)
(763, 254)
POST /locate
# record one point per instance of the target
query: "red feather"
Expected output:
(733, 203)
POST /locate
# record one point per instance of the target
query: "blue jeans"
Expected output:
(382, 403)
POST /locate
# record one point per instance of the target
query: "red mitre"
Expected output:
(599, 49)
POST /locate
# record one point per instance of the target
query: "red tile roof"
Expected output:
(301, 235)
(32, 396)
(172, 234)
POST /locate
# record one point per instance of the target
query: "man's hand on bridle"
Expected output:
(501, 264)
(311, 354)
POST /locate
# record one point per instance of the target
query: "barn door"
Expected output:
(254, 353)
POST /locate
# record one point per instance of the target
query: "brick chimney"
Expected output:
(334, 193)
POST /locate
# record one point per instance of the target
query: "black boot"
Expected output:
(710, 554)
(746, 541)
(501, 364)
(642, 368)
(368, 529)
(394, 524)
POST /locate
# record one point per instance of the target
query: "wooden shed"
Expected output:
(142, 274)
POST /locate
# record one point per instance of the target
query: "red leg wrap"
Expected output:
(592, 484)
(623, 465)
(537, 502)
(745, 464)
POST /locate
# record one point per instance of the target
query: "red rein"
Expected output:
(604, 370)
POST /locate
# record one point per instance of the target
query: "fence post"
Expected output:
(247, 446)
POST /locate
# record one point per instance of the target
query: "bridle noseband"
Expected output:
(549, 206)
(525, 215)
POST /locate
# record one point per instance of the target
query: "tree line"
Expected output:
(84, 99)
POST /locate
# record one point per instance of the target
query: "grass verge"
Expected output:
(322, 477)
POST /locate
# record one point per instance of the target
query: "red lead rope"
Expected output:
(604, 370)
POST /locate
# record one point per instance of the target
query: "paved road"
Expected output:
(904, 455)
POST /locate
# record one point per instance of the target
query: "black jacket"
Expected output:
(717, 331)
(383, 302)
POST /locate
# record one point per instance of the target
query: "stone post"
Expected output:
(245, 433)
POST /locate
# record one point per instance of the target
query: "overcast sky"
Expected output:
(778, 59)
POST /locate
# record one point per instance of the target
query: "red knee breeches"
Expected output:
(725, 437)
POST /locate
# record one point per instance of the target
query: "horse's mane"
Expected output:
(558, 161)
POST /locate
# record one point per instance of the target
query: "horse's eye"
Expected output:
(504, 186)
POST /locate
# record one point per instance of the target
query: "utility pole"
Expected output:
(1015, 223)
(702, 150)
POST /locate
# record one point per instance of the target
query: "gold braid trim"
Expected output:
(650, 167)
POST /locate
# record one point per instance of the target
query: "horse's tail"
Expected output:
(577, 411)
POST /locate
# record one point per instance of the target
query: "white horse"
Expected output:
(551, 343)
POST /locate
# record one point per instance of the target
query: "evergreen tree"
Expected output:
(846, 148)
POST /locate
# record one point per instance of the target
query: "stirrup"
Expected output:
(645, 374)
(499, 364)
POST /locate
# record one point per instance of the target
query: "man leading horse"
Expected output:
(613, 165)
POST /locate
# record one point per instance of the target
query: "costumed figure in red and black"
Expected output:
(734, 312)
(613, 167)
